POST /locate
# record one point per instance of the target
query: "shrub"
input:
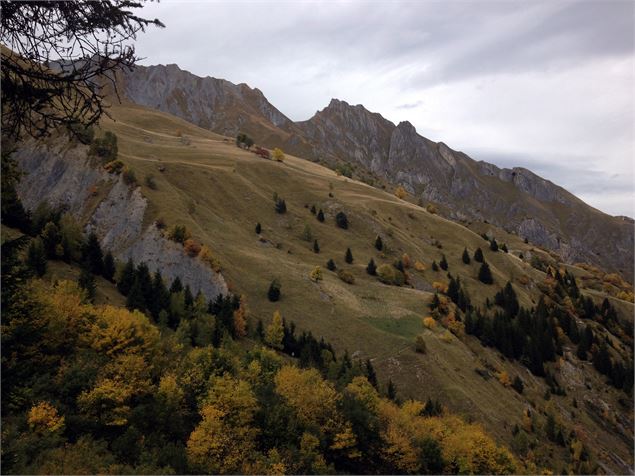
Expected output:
(330, 265)
(485, 275)
(244, 141)
(207, 257)
(179, 233)
(419, 266)
(129, 177)
(440, 287)
(316, 274)
(114, 167)
(503, 378)
(405, 259)
(400, 192)
(388, 274)
(371, 268)
(344, 169)
(307, 235)
(447, 337)
(274, 290)
(316, 247)
(277, 154)
(341, 220)
(83, 134)
(429, 322)
(105, 147)
(431, 209)
(160, 223)
(348, 257)
(313, 210)
(346, 276)
(150, 182)
(320, 216)
(192, 247)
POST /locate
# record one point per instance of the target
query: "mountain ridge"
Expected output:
(379, 151)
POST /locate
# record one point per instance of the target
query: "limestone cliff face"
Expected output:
(514, 199)
(63, 175)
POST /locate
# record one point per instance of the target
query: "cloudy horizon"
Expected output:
(542, 85)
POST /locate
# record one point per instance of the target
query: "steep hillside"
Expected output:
(466, 190)
(190, 176)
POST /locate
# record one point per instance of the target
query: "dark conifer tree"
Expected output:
(399, 265)
(348, 257)
(160, 296)
(485, 275)
(320, 216)
(518, 384)
(258, 228)
(36, 257)
(188, 298)
(370, 373)
(109, 268)
(316, 247)
(142, 275)
(126, 280)
(443, 263)
(313, 210)
(281, 206)
(92, 254)
(504, 248)
(176, 286)
(493, 245)
(478, 255)
(135, 299)
(274, 291)
(330, 265)
(391, 391)
(379, 244)
(466, 256)
(260, 331)
(342, 220)
(86, 281)
(435, 266)
(371, 268)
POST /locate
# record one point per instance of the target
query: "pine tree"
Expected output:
(341, 220)
(493, 245)
(316, 247)
(435, 266)
(86, 281)
(109, 268)
(320, 216)
(258, 228)
(176, 286)
(379, 244)
(330, 265)
(466, 256)
(485, 275)
(188, 298)
(274, 291)
(126, 280)
(135, 299)
(371, 268)
(36, 257)
(478, 255)
(443, 263)
(92, 254)
(160, 296)
(142, 275)
(391, 391)
(371, 375)
(348, 257)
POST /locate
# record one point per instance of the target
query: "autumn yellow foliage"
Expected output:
(429, 322)
(400, 192)
(43, 418)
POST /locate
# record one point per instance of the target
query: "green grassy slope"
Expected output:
(220, 192)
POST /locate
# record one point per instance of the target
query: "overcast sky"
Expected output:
(543, 85)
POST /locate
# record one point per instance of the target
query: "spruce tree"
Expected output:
(92, 254)
(188, 298)
(478, 255)
(330, 265)
(258, 228)
(371, 268)
(36, 257)
(274, 291)
(341, 220)
(281, 206)
(485, 275)
(316, 247)
(466, 256)
(391, 391)
(109, 268)
(348, 257)
(320, 216)
(86, 281)
(370, 373)
(493, 245)
(142, 275)
(135, 299)
(126, 280)
(443, 263)
(160, 296)
(176, 286)
(379, 244)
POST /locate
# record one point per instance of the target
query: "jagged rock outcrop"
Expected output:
(63, 175)
(514, 199)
